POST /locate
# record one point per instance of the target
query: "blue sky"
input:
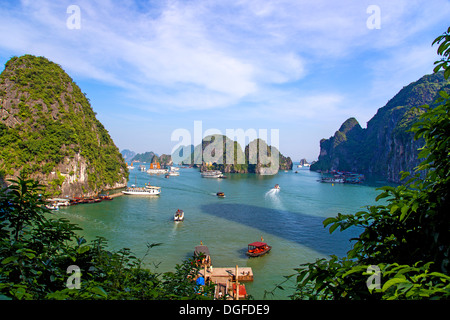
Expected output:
(302, 67)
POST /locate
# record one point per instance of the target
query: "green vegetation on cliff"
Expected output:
(47, 125)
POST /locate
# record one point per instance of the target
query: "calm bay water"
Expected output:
(290, 220)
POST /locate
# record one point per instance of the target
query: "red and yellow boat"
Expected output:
(257, 248)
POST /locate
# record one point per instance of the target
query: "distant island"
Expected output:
(255, 158)
(242, 162)
(49, 132)
(128, 155)
(147, 157)
(386, 147)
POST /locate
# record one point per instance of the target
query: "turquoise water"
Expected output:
(290, 220)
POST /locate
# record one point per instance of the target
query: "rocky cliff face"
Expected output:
(49, 131)
(386, 147)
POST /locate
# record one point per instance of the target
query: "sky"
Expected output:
(299, 67)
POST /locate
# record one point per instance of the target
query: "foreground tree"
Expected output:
(404, 249)
(43, 258)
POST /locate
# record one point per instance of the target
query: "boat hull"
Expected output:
(179, 216)
(258, 254)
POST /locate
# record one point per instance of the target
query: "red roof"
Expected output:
(257, 244)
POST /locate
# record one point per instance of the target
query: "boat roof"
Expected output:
(58, 199)
(201, 250)
(257, 244)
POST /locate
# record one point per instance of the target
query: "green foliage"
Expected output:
(416, 282)
(444, 51)
(407, 238)
(56, 121)
(37, 249)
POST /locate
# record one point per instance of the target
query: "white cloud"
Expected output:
(210, 54)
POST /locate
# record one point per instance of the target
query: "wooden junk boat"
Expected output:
(256, 249)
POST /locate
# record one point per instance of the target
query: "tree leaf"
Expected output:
(392, 282)
(10, 259)
(99, 291)
(333, 227)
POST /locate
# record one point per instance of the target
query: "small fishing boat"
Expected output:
(256, 249)
(179, 215)
(220, 194)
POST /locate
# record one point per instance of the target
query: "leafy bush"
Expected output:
(36, 252)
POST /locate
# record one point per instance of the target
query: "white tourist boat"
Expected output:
(52, 206)
(147, 191)
(212, 174)
(157, 171)
(173, 172)
(332, 180)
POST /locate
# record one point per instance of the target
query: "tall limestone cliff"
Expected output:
(385, 147)
(49, 131)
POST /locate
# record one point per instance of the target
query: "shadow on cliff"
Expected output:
(297, 227)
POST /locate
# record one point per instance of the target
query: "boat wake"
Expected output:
(272, 192)
(273, 196)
